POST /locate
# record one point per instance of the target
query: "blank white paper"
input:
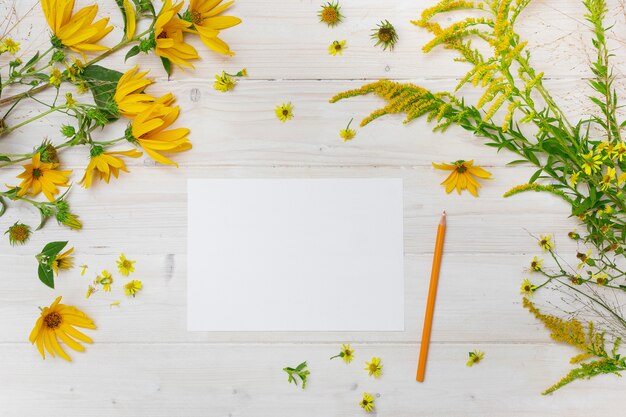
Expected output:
(295, 255)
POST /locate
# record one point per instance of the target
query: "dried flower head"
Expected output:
(48, 153)
(385, 35)
(19, 234)
(330, 13)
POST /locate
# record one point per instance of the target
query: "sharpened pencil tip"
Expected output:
(443, 218)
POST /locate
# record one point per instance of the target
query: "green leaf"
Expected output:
(132, 52)
(30, 62)
(5, 158)
(167, 65)
(535, 176)
(102, 82)
(3, 206)
(44, 219)
(52, 249)
(46, 275)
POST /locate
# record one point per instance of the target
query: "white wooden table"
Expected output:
(145, 363)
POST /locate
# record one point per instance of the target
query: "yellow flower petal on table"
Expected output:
(58, 322)
(129, 96)
(125, 266)
(105, 279)
(208, 23)
(284, 112)
(374, 368)
(475, 357)
(367, 403)
(77, 32)
(103, 164)
(168, 34)
(131, 19)
(132, 287)
(41, 176)
(63, 261)
(462, 176)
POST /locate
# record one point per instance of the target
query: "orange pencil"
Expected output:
(432, 293)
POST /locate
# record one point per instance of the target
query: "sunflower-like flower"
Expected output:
(367, 403)
(462, 177)
(58, 322)
(545, 241)
(103, 164)
(148, 130)
(40, 176)
(527, 288)
(132, 287)
(347, 353)
(536, 264)
(330, 13)
(10, 46)
(129, 96)
(125, 266)
(374, 368)
(208, 22)
(78, 31)
(284, 112)
(19, 233)
(169, 39)
(337, 47)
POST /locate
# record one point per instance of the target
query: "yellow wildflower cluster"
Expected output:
(104, 280)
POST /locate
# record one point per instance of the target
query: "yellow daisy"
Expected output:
(583, 258)
(462, 176)
(591, 163)
(168, 35)
(475, 357)
(535, 264)
(77, 32)
(284, 112)
(574, 178)
(347, 353)
(347, 133)
(607, 178)
(224, 82)
(600, 279)
(105, 279)
(40, 176)
(59, 321)
(374, 368)
(125, 266)
(337, 47)
(545, 241)
(10, 46)
(63, 261)
(148, 130)
(103, 164)
(132, 287)
(129, 96)
(208, 22)
(527, 288)
(367, 403)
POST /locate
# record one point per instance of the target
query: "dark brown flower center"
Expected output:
(461, 169)
(196, 17)
(527, 288)
(385, 35)
(285, 112)
(36, 173)
(162, 35)
(53, 320)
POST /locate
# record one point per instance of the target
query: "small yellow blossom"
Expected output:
(462, 176)
(607, 178)
(374, 368)
(619, 151)
(132, 287)
(347, 353)
(475, 357)
(224, 82)
(125, 266)
(63, 261)
(527, 288)
(592, 163)
(330, 13)
(583, 258)
(337, 47)
(55, 77)
(545, 241)
(347, 133)
(70, 101)
(367, 403)
(284, 112)
(573, 179)
(105, 279)
(600, 279)
(10, 46)
(535, 264)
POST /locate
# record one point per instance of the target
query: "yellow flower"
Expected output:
(600, 278)
(40, 176)
(125, 266)
(103, 164)
(129, 96)
(168, 33)
(330, 13)
(619, 151)
(90, 291)
(591, 163)
(527, 288)
(148, 131)
(535, 264)
(374, 368)
(574, 235)
(131, 19)
(63, 261)
(337, 47)
(574, 178)
(58, 322)
(224, 82)
(475, 357)
(367, 403)
(55, 77)
(607, 178)
(347, 133)
(347, 353)
(18, 233)
(545, 242)
(462, 177)
(208, 22)
(105, 279)
(583, 258)
(77, 32)
(10, 46)
(284, 112)
(131, 287)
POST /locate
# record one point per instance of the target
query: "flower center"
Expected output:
(162, 35)
(384, 35)
(53, 320)
(329, 15)
(526, 288)
(126, 264)
(36, 173)
(337, 47)
(285, 112)
(461, 169)
(19, 233)
(196, 17)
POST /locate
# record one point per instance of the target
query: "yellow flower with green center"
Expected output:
(330, 13)
(63, 261)
(125, 266)
(347, 353)
(475, 357)
(374, 368)
(591, 163)
(59, 321)
(347, 133)
(535, 264)
(527, 288)
(573, 179)
(78, 31)
(607, 178)
(462, 176)
(337, 47)
(385, 35)
(224, 82)
(56, 77)
(208, 22)
(10, 46)
(105, 279)
(40, 176)
(367, 403)
(284, 112)
(132, 287)
(168, 35)
(19, 234)
(545, 241)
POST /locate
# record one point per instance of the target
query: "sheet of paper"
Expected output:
(295, 255)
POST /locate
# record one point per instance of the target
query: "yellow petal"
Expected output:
(131, 19)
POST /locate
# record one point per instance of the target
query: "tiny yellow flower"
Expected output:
(70, 101)
(619, 151)
(535, 264)
(607, 178)
(105, 279)
(591, 163)
(243, 73)
(367, 403)
(347, 133)
(132, 287)
(527, 288)
(284, 112)
(125, 266)
(374, 368)
(574, 235)
(573, 179)
(10, 46)
(347, 353)
(55, 77)
(337, 47)
(583, 258)
(545, 242)
(600, 278)
(224, 82)
(475, 357)
(330, 13)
